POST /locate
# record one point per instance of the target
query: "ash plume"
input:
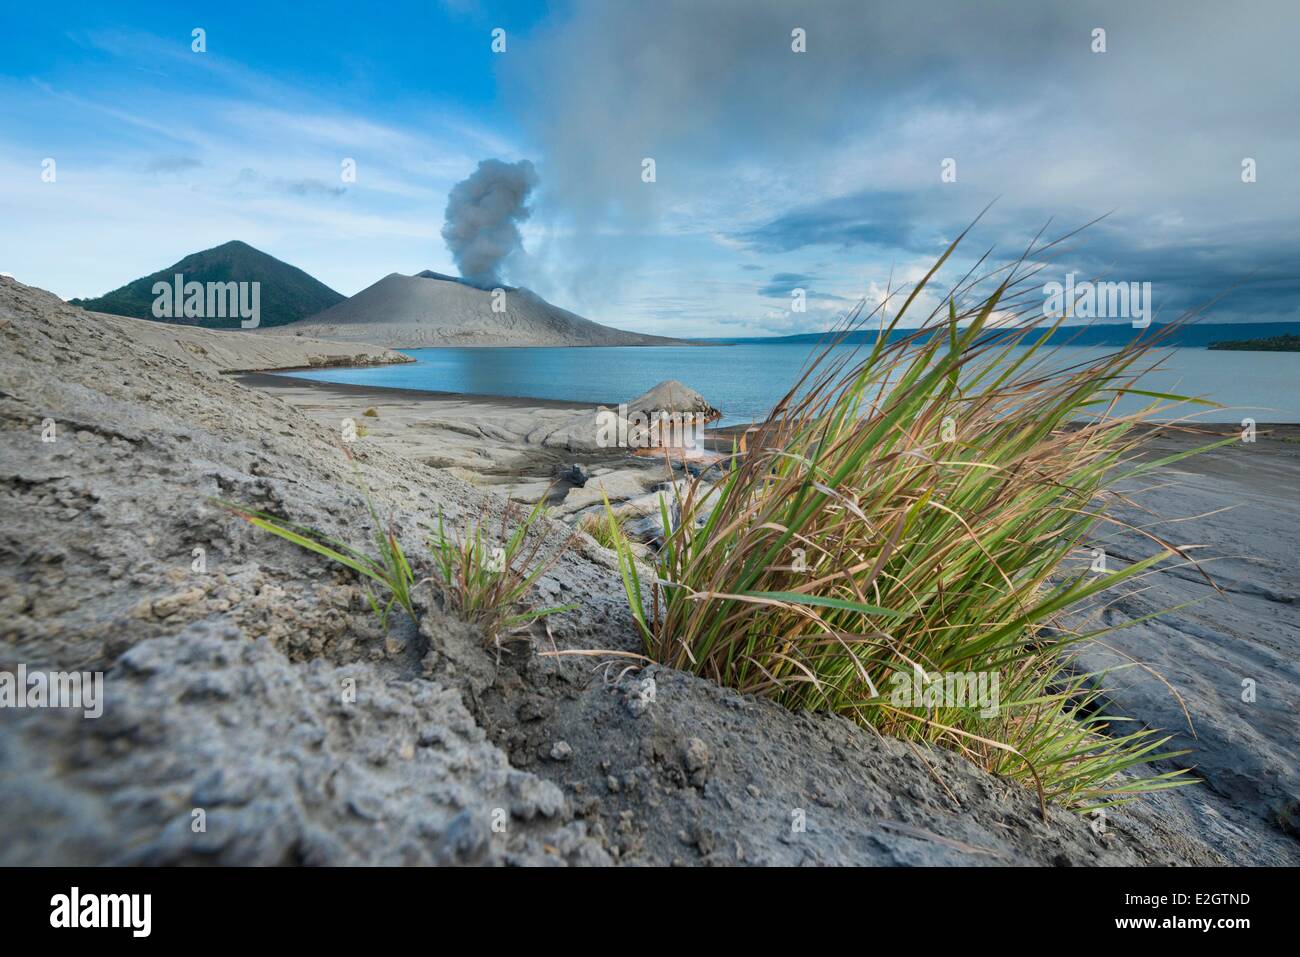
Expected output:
(483, 213)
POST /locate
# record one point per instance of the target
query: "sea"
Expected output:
(745, 380)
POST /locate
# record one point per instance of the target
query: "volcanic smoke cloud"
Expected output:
(483, 213)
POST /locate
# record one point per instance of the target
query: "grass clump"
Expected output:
(488, 584)
(606, 527)
(902, 518)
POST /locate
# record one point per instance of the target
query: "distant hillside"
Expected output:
(1200, 335)
(287, 293)
(429, 309)
(1283, 343)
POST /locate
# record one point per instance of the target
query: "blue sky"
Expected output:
(775, 170)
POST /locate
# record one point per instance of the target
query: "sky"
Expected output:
(842, 170)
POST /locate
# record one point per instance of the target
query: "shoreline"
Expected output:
(274, 379)
(516, 447)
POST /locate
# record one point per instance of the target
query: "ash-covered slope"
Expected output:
(223, 680)
(434, 310)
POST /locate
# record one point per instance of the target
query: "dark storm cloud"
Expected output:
(879, 219)
(1249, 275)
(1153, 130)
(782, 284)
(720, 79)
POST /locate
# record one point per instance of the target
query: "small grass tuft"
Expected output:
(607, 528)
(489, 584)
(484, 584)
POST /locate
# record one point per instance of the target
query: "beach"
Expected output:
(222, 677)
(518, 447)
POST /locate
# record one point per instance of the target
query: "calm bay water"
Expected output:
(745, 380)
